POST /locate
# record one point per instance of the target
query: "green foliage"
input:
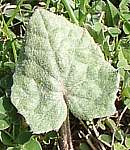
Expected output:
(127, 140)
(112, 15)
(114, 31)
(118, 146)
(32, 143)
(84, 146)
(3, 121)
(106, 139)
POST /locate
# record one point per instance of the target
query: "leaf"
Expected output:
(10, 64)
(119, 135)
(122, 60)
(61, 62)
(3, 122)
(98, 27)
(112, 14)
(124, 6)
(122, 63)
(106, 47)
(125, 49)
(114, 31)
(101, 125)
(127, 102)
(118, 146)
(6, 138)
(111, 124)
(126, 87)
(23, 137)
(2, 110)
(93, 33)
(124, 9)
(126, 93)
(126, 27)
(33, 143)
(84, 146)
(106, 139)
(127, 141)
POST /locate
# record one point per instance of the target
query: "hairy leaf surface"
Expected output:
(61, 64)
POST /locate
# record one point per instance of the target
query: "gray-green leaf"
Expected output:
(61, 62)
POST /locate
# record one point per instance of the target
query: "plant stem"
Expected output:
(70, 11)
(65, 141)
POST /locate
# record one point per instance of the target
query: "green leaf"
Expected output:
(98, 27)
(93, 33)
(84, 146)
(11, 65)
(106, 47)
(106, 139)
(61, 64)
(126, 93)
(127, 141)
(122, 63)
(3, 122)
(124, 9)
(125, 44)
(114, 31)
(33, 143)
(6, 138)
(111, 124)
(126, 27)
(118, 146)
(9, 13)
(2, 109)
(124, 6)
(127, 102)
(112, 14)
(23, 137)
(119, 135)
(101, 125)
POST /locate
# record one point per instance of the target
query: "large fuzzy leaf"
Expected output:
(60, 62)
